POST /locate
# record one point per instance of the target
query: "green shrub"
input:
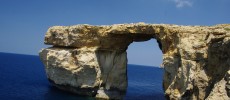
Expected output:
(227, 29)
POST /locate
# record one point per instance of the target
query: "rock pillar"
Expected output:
(86, 63)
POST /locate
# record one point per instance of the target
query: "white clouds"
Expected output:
(183, 3)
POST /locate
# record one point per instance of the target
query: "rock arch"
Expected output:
(92, 60)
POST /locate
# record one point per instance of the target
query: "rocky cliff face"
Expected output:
(92, 60)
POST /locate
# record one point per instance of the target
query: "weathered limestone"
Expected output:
(92, 60)
(86, 70)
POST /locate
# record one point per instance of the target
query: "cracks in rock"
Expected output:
(109, 73)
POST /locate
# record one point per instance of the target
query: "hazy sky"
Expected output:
(23, 23)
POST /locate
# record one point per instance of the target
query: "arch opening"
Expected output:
(144, 73)
(145, 53)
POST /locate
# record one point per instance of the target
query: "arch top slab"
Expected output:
(92, 60)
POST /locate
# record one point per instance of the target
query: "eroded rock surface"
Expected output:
(92, 60)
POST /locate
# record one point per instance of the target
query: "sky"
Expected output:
(23, 23)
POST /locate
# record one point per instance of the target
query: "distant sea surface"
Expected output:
(22, 77)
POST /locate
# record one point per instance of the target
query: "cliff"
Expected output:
(92, 60)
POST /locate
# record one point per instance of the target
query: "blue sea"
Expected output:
(22, 77)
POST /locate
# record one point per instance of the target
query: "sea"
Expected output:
(22, 77)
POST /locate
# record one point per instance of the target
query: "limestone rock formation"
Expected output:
(92, 60)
